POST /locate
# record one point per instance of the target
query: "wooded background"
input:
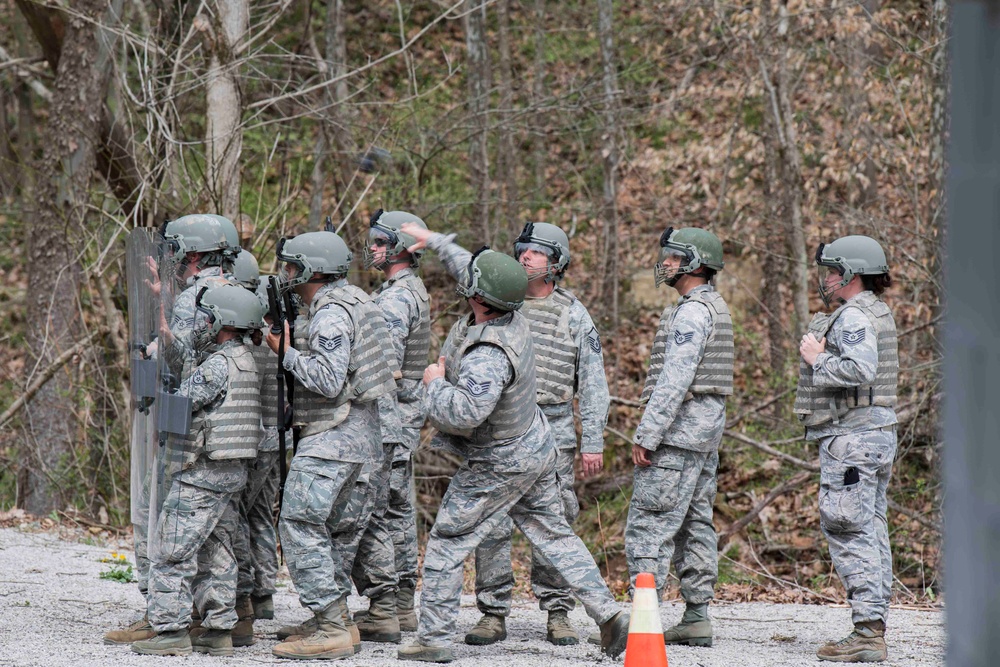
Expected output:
(778, 125)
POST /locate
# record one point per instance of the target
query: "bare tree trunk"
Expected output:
(507, 164)
(8, 172)
(477, 78)
(62, 195)
(774, 269)
(609, 206)
(538, 99)
(224, 136)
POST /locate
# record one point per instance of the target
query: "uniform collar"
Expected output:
(699, 288)
(408, 271)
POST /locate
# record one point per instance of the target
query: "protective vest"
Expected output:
(370, 370)
(267, 370)
(555, 347)
(714, 374)
(232, 429)
(819, 405)
(515, 411)
(418, 344)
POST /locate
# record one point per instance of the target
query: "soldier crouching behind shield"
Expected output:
(481, 397)
(340, 373)
(191, 556)
(846, 399)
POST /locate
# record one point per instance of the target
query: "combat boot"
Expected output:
(421, 653)
(558, 630)
(404, 609)
(349, 623)
(381, 623)
(135, 632)
(263, 607)
(293, 632)
(695, 628)
(865, 644)
(243, 632)
(489, 630)
(614, 634)
(176, 642)
(330, 641)
(213, 642)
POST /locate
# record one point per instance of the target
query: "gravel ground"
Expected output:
(54, 610)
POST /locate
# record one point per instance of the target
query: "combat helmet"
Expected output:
(314, 253)
(850, 256)
(213, 235)
(549, 239)
(695, 246)
(246, 270)
(497, 279)
(385, 232)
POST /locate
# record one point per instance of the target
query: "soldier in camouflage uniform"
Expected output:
(569, 361)
(846, 399)
(406, 307)
(191, 553)
(676, 450)
(339, 371)
(205, 247)
(480, 396)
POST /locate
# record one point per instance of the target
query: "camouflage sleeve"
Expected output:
(389, 419)
(686, 341)
(455, 257)
(180, 350)
(591, 382)
(207, 383)
(398, 309)
(323, 367)
(483, 374)
(858, 360)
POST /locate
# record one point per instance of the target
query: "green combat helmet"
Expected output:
(498, 279)
(850, 256)
(230, 306)
(246, 271)
(207, 233)
(695, 246)
(384, 233)
(551, 240)
(314, 253)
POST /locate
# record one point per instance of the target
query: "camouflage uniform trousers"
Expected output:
(494, 573)
(193, 562)
(256, 542)
(479, 498)
(363, 538)
(317, 495)
(670, 520)
(400, 514)
(853, 517)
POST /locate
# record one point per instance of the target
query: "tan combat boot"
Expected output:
(213, 642)
(331, 641)
(559, 631)
(243, 632)
(865, 644)
(421, 653)
(381, 623)
(695, 628)
(614, 634)
(404, 609)
(176, 642)
(349, 623)
(489, 630)
(136, 632)
(293, 632)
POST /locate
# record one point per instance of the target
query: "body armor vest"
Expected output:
(418, 344)
(232, 429)
(555, 347)
(714, 374)
(370, 370)
(515, 411)
(267, 370)
(818, 405)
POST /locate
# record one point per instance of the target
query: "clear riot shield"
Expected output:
(176, 361)
(140, 261)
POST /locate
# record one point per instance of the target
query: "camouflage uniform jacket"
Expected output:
(669, 419)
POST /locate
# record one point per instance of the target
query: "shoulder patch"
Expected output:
(394, 323)
(201, 377)
(187, 322)
(331, 344)
(681, 338)
(594, 340)
(853, 337)
(477, 388)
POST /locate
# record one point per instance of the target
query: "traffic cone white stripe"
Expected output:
(645, 613)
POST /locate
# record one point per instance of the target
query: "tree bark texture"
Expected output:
(538, 94)
(62, 195)
(507, 164)
(477, 78)
(224, 135)
(609, 150)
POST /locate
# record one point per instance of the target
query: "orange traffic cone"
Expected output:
(645, 646)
